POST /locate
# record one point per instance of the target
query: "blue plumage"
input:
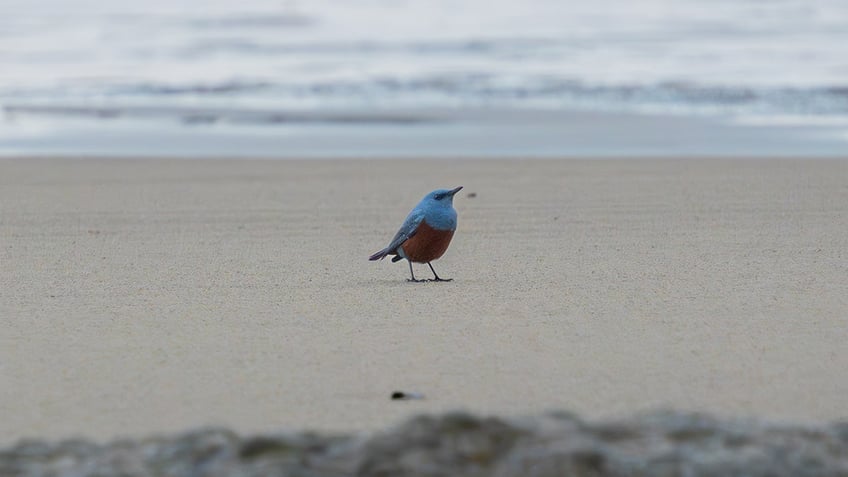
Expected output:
(434, 213)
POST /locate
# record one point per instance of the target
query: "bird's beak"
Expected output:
(454, 191)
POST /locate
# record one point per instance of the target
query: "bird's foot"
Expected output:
(415, 280)
(437, 279)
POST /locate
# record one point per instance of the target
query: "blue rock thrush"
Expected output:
(426, 232)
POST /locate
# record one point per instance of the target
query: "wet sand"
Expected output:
(149, 296)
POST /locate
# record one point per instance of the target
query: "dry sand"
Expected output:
(147, 296)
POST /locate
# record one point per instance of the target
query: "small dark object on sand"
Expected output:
(402, 396)
(471, 195)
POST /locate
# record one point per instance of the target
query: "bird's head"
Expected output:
(442, 196)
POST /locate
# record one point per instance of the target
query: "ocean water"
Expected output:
(275, 66)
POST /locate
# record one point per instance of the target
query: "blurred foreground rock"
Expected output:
(659, 444)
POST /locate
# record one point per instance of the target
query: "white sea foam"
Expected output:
(549, 51)
(691, 57)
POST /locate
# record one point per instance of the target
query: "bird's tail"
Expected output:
(379, 255)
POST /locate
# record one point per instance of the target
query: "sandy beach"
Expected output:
(151, 296)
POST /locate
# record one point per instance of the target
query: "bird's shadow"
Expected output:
(404, 282)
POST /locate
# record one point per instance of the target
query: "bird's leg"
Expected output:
(412, 274)
(437, 279)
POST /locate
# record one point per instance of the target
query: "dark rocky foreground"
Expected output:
(659, 444)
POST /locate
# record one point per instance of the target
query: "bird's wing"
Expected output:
(407, 230)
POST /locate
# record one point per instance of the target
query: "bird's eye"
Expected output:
(439, 196)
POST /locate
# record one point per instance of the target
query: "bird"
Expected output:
(425, 234)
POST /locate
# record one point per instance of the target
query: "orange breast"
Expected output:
(427, 244)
